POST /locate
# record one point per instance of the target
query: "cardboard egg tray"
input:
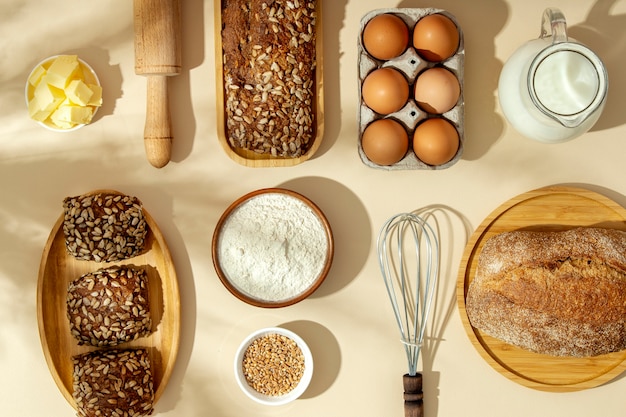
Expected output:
(411, 64)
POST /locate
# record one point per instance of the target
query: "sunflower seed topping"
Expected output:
(109, 306)
(269, 76)
(104, 227)
(113, 383)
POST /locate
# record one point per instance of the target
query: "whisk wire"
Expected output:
(411, 296)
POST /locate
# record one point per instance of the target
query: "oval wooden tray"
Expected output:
(551, 208)
(58, 268)
(250, 158)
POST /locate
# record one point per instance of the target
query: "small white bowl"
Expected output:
(269, 399)
(90, 76)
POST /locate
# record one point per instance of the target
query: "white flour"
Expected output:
(272, 247)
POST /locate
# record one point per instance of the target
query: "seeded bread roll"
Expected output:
(104, 227)
(113, 383)
(109, 306)
(269, 75)
(557, 293)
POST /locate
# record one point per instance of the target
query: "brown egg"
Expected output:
(385, 90)
(385, 142)
(437, 90)
(385, 36)
(435, 141)
(435, 37)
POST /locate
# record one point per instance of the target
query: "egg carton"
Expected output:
(411, 64)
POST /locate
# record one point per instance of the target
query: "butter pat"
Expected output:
(96, 97)
(46, 98)
(36, 113)
(78, 92)
(64, 69)
(68, 115)
(35, 76)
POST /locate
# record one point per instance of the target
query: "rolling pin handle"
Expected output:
(158, 129)
(413, 395)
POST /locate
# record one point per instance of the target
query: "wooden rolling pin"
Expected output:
(157, 56)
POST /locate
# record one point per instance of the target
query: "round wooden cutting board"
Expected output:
(551, 208)
(58, 268)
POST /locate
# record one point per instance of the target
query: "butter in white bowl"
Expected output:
(63, 93)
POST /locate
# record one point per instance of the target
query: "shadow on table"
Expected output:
(443, 220)
(333, 16)
(604, 34)
(326, 354)
(350, 225)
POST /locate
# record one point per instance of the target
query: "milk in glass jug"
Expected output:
(553, 89)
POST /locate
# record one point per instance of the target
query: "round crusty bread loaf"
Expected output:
(113, 383)
(557, 293)
(109, 306)
(104, 227)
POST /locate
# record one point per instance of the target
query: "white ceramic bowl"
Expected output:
(268, 399)
(89, 74)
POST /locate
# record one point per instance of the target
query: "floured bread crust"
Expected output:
(556, 293)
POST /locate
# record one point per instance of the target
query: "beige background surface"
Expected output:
(348, 321)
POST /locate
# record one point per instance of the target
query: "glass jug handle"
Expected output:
(553, 24)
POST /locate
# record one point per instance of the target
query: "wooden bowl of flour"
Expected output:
(272, 247)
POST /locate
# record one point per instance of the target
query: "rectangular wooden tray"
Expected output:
(251, 158)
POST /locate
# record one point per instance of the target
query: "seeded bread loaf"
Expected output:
(557, 293)
(109, 306)
(104, 227)
(113, 383)
(269, 63)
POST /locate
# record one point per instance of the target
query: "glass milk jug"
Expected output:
(553, 89)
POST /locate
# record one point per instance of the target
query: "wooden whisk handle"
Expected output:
(413, 395)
